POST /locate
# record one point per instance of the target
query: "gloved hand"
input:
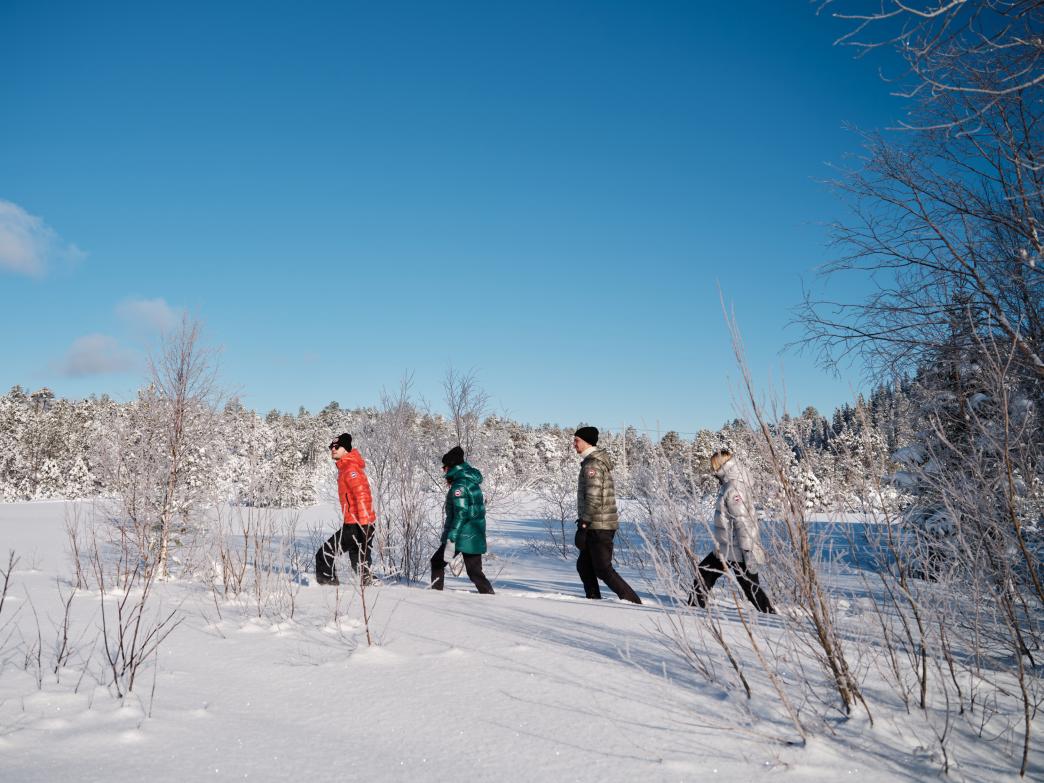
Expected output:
(449, 552)
(580, 539)
(750, 564)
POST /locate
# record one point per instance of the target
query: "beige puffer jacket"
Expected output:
(736, 534)
(595, 492)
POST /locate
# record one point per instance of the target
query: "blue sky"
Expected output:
(549, 193)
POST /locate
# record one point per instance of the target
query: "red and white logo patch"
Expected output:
(737, 498)
(457, 493)
(354, 474)
(591, 472)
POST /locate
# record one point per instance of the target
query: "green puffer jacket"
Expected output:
(595, 493)
(465, 510)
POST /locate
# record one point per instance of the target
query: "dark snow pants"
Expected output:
(711, 568)
(472, 565)
(596, 562)
(353, 538)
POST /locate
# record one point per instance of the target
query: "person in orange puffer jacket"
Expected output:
(356, 534)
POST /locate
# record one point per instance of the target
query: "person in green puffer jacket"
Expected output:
(464, 532)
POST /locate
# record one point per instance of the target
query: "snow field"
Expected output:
(532, 684)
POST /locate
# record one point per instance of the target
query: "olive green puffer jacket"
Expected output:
(595, 493)
(465, 510)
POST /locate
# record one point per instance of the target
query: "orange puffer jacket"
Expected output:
(353, 489)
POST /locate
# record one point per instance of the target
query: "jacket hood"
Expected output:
(351, 461)
(464, 472)
(731, 471)
(602, 456)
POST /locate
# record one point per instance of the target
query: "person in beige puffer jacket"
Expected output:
(598, 519)
(737, 540)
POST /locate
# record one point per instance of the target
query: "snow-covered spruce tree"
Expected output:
(288, 459)
(519, 448)
(975, 469)
(77, 421)
(16, 435)
(681, 459)
(802, 434)
(507, 466)
(41, 442)
(966, 576)
(44, 446)
(316, 466)
(242, 434)
(858, 450)
(808, 486)
(635, 449)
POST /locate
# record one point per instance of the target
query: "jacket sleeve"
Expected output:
(458, 505)
(745, 522)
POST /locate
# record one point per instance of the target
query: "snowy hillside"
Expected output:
(531, 684)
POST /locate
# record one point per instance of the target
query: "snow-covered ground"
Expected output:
(532, 684)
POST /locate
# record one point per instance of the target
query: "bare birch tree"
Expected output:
(157, 453)
(184, 375)
(467, 404)
(948, 213)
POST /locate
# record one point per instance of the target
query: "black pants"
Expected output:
(711, 568)
(596, 562)
(356, 539)
(472, 564)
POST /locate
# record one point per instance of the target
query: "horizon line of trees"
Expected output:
(52, 448)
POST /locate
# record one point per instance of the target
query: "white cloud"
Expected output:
(28, 246)
(96, 354)
(153, 315)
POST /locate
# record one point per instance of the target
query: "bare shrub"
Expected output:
(65, 645)
(132, 628)
(801, 562)
(556, 489)
(12, 562)
(76, 535)
(675, 533)
(255, 555)
(33, 658)
(402, 470)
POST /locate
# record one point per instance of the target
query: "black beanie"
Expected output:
(345, 440)
(588, 435)
(454, 456)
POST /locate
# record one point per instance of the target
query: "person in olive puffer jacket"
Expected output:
(356, 534)
(464, 532)
(598, 519)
